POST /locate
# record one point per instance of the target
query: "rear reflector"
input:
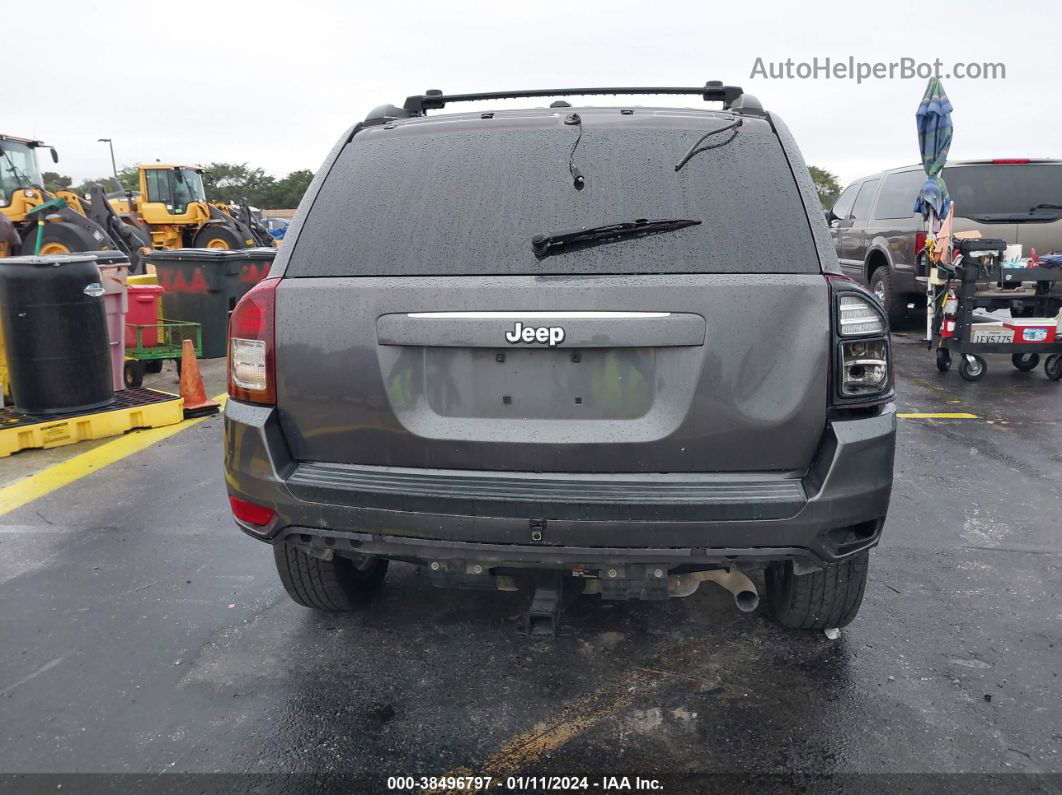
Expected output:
(249, 512)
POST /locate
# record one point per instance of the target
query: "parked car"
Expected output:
(554, 348)
(878, 236)
(277, 227)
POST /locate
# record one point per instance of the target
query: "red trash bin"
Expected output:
(143, 311)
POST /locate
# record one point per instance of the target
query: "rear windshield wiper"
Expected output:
(1045, 207)
(569, 239)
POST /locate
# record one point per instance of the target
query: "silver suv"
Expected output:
(569, 349)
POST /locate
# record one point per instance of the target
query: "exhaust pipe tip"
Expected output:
(747, 601)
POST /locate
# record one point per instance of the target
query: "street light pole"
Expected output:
(114, 166)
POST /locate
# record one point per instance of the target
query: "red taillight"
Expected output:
(249, 512)
(251, 346)
(920, 242)
(1011, 161)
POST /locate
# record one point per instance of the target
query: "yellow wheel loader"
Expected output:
(56, 223)
(172, 206)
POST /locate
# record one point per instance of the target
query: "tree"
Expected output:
(128, 178)
(54, 181)
(286, 193)
(826, 185)
(233, 182)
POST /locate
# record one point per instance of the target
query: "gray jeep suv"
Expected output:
(596, 349)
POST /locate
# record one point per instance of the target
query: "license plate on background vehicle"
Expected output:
(991, 335)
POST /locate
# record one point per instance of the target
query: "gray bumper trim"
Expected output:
(675, 497)
(847, 488)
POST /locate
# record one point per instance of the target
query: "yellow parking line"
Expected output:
(937, 415)
(574, 719)
(66, 472)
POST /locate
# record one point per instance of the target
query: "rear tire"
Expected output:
(1053, 366)
(895, 305)
(943, 359)
(1025, 361)
(823, 599)
(133, 374)
(336, 584)
(218, 236)
(974, 371)
(59, 237)
(153, 366)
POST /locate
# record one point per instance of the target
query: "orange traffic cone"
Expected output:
(196, 403)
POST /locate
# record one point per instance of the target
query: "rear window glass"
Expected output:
(898, 194)
(410, 203)
(865, 197)
(1003, 189)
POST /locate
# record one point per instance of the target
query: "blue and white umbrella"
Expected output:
(933, 118)
(934, 140)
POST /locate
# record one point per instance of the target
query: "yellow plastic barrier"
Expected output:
(142, 408)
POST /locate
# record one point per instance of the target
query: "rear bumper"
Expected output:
(833, 510)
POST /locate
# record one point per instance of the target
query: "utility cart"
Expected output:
(154, 344)
(977, 280)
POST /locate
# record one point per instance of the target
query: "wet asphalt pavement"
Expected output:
(140, 632)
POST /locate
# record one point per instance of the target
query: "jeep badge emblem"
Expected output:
(554, 335)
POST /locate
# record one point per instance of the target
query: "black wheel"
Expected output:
(1053, 366)
(1025, 361)
(58, 237)
(133, 373)
(972, 370)
(895, 305)
(218, 236)
(943, 359)
(823, 599)
(153, 366)
(336, 584)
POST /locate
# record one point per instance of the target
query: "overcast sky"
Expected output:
(274, 84)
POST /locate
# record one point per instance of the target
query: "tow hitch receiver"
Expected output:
(543, 617)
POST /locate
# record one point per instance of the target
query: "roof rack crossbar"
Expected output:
(713, 91)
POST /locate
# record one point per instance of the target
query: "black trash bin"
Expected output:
(55, 333)
(202, 285)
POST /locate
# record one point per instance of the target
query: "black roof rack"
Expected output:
(712, 91)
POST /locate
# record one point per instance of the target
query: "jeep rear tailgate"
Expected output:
(418, 327)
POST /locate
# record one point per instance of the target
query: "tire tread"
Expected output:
(895, 305)
(333, 585)
(827, 598)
